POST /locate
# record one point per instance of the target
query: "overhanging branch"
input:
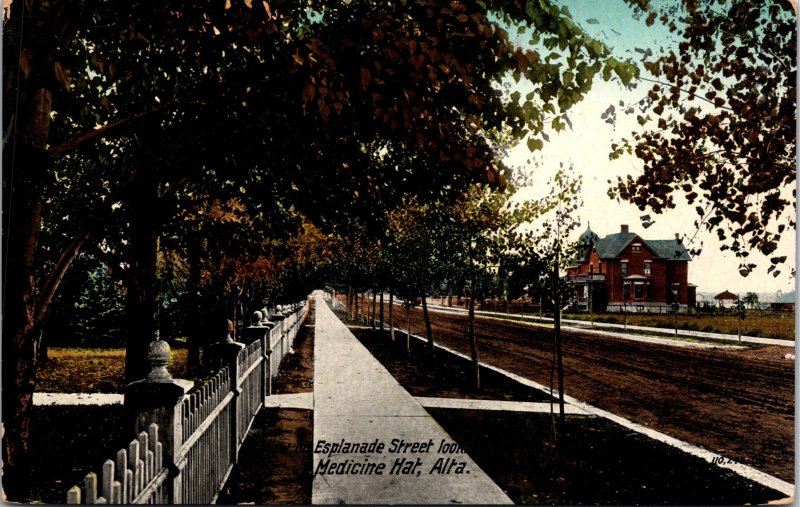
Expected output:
(109, 130)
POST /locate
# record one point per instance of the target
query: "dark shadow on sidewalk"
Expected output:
(275, 461)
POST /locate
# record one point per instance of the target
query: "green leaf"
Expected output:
(626, 72)
(606, 72)
(596, 48)
(535, 144)
(567, 78)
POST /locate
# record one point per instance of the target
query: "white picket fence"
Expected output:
(208, 425)
(137, 476)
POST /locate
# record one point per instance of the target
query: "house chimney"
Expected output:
(624, 228)
(678, 237)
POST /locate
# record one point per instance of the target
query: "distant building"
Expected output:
(784, 303)
(726, 299)
(624, 271)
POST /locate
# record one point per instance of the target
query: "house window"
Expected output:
(647, 267)
(626, 292)
(637, 247)
(624, 268)
(638, 291)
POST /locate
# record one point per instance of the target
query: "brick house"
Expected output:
(624, 271)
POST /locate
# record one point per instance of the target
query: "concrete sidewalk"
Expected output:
(373, 442)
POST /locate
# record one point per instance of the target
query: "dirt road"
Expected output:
(739, 403)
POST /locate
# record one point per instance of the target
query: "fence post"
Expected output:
(227, 354)
(157, 399)
(259, 330)
(280, 320)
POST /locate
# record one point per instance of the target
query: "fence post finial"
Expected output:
(228, 337)
(158, 356)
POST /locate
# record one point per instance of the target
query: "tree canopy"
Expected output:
(719, 122)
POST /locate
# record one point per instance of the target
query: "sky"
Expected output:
(586, 148)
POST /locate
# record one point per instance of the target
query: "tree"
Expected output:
(415, 250)
(88, 311)
(558, 210)
(719, 122)
(751, 300)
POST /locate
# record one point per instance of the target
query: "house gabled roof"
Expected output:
(789, 297)
(670, 249)
(612, 246)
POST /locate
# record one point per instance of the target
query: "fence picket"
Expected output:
(74, 495)
(128, 486)
(116, 493)
(90, 486)
(145, 477)
(122, 467)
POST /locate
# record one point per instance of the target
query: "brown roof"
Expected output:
(726, 295)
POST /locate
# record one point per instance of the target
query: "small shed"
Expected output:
(784, 303)
(726, 299)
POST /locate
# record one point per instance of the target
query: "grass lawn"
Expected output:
(77, 370)
(765, 326)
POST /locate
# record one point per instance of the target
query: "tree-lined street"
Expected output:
(710, 398)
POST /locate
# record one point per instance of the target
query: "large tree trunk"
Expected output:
(19, 330)
(141, 290)
(431, 346)
(24, 169)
